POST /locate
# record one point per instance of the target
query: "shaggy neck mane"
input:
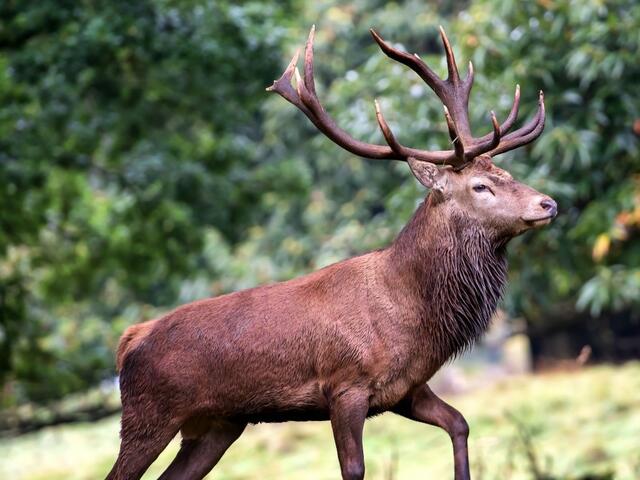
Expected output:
(454, 272)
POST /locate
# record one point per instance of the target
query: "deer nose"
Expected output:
(550, 206)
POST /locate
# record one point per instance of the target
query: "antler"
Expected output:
(453, 92)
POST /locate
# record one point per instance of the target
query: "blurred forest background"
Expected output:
(143, 165)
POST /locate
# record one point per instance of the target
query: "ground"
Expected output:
(578, 425)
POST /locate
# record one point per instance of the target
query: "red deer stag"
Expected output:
(354, 339)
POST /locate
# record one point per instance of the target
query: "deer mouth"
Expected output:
(540, 221)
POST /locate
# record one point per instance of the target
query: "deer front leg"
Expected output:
(348, 412)
(424, 406)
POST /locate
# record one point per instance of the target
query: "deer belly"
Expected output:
(256, 396)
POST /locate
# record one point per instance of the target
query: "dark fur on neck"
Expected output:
(456, 273)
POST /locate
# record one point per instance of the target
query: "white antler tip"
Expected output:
(298, 79)
(294, 60)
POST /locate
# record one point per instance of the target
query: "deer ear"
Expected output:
(428, 175)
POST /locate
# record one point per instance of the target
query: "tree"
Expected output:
(127, 129)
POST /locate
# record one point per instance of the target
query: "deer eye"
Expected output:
(480, 188)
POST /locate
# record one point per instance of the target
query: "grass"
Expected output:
(582, 425)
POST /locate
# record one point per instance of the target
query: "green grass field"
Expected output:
(577, 425)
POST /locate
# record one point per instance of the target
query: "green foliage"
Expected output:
(120, 133)
(142, 165)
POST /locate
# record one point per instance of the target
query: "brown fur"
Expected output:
(131, 337)
(354, 339)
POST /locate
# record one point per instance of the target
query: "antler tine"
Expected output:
(509, 121)
(452, 67)
(282, 86)
(487, 145)
(513, 114)
(533, 123)
(468, 81)
(497, 130)
(525, 134)
(387, 133)
(414, 62)
(455, 94)
(453, 134)
(309, 81)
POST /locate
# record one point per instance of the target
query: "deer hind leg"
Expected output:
(425, 406)
(200, 453)
(142, 441)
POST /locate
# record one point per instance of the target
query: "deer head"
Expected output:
(462, 179)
